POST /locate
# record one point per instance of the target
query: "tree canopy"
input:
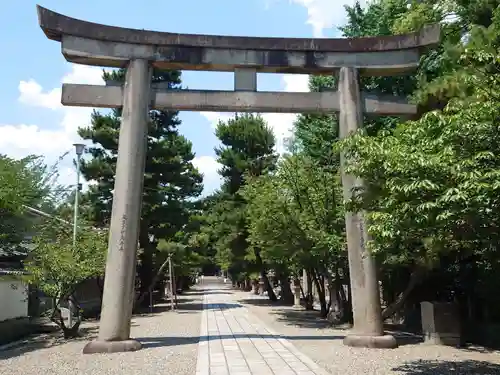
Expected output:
(430, 184)
(26, 182)
(430, 194)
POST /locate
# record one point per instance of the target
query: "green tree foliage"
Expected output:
(170, 178)
(24, 182)
(295, 219)
(314, 134)
(200, 237)
(431, 184)
(247, 149)
(56, 266)
(442, 164)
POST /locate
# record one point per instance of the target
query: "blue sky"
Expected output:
(33, 121)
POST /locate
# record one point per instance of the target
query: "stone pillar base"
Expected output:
(441, 323)
(375, 342)
(99, 346)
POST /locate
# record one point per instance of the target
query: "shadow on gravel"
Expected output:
(188, 302)
(404, 338)
(44, 341)
(263, 302)
(193, 307)
(481, 349)
(154, 342)
(183, 301)
(302, 318)
(165, 307)
(161, 307)
(468, 367)
(310, 319)
(210, 291)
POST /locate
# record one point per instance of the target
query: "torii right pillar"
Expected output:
(368, 330)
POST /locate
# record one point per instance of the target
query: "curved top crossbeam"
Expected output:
(56, 25)
(96, 44)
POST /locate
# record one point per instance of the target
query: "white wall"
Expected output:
(13, 299)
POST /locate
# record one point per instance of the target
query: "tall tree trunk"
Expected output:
(263, 274)
(333, 301)
(248, 285)
(340, 310)
(320, 287)
(57, 318)
(309, 298)
(268, 287)
(416, 277)
(347, 314)
(180, 283)
(142, 300)
(286, 290)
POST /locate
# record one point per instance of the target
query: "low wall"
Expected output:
(14, 299)
(20, 315)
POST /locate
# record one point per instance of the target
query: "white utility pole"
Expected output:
(79, 151)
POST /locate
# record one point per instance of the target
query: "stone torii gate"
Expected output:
(139, 50)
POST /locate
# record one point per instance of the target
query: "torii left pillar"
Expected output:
(118, 294)
(368, 330)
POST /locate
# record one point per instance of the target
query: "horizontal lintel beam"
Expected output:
(232, 101)
(115, 54)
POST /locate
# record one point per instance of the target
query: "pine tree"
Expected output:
(247, 150)
(170, 178)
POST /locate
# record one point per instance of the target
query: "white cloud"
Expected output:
(26, 139)
(208, 166)
(84, 74)
(31, 93)
(322, 14)
(23, 140)
(281, 123)
(296, 82)
(215, 117)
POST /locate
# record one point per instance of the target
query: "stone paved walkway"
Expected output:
(233, 341)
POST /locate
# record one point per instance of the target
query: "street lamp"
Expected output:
(79, 151)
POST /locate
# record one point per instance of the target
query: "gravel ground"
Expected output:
(324, 345)
(170, 343)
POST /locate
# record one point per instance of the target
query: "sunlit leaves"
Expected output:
(295, 216)
(436, 178)
(56, 265)
(23, 182)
